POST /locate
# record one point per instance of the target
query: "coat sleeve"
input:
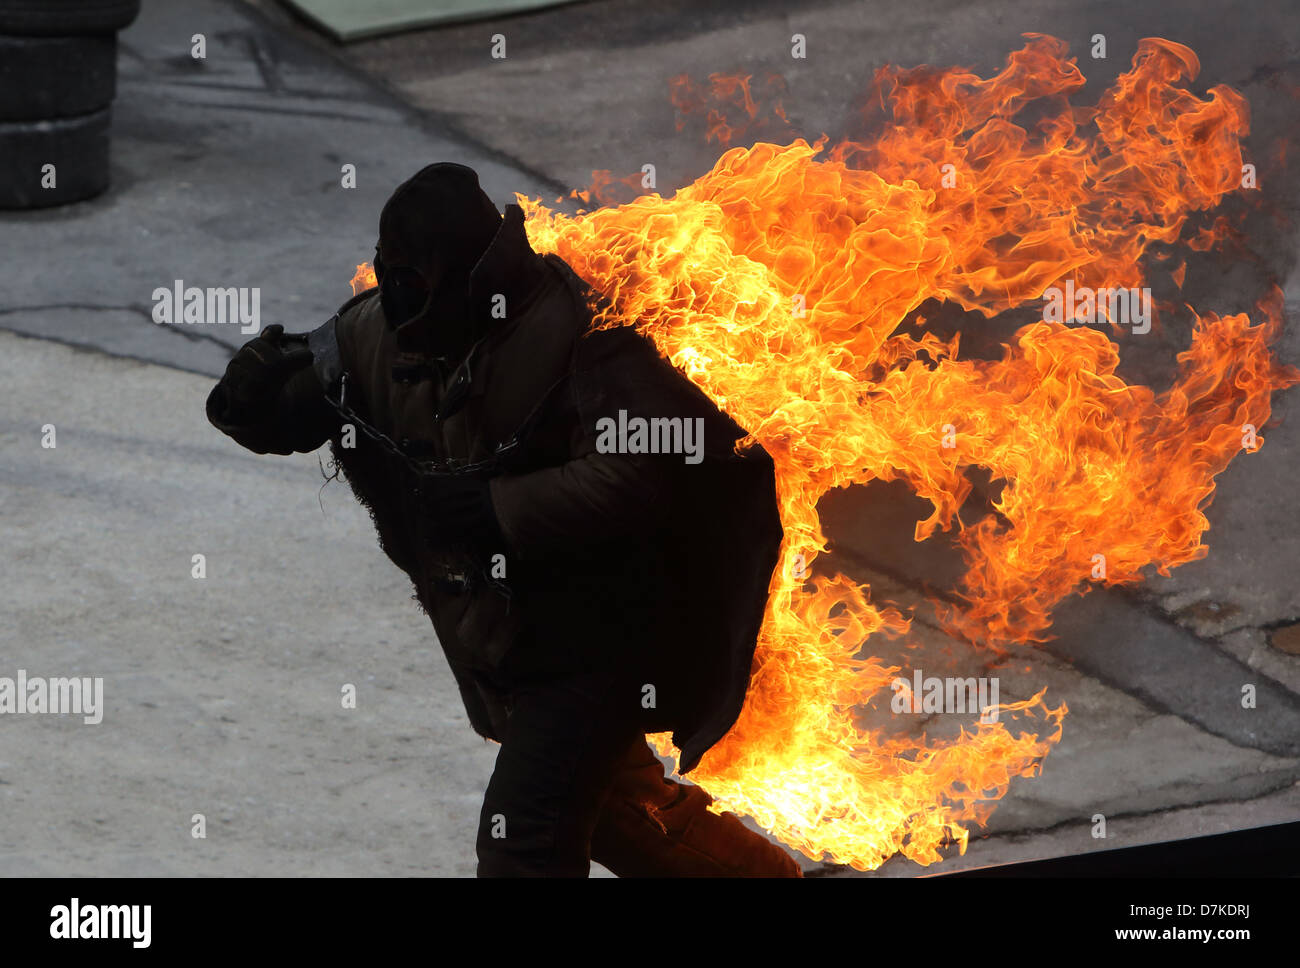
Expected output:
(582, 502)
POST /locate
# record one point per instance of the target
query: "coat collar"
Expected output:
(508, 267)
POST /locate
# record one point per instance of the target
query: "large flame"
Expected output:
(778, 281)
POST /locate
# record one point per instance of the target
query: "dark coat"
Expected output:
(637, 559)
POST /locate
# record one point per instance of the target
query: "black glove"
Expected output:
(270, 399)
(254, 378)
(458, 511)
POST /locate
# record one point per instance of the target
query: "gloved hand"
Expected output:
(457, 511)
(254, 377)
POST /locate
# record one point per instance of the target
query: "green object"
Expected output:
(348, 20)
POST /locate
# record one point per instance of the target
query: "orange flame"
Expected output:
(692, 99)
(363, 278)
(778, 281)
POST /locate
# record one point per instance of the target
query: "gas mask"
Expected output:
(403, 292)
(432, 231)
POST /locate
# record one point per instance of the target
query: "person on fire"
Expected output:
(587, 586)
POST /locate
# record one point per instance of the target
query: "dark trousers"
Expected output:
(575, 780)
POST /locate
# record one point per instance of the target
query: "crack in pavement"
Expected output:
(191, 335)
(1144, 679)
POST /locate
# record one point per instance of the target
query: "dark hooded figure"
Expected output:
(588, 585)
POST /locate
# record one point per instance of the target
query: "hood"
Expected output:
(432, 232)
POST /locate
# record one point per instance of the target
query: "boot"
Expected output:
(651, 826)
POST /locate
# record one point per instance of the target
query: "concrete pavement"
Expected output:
(223, 693)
